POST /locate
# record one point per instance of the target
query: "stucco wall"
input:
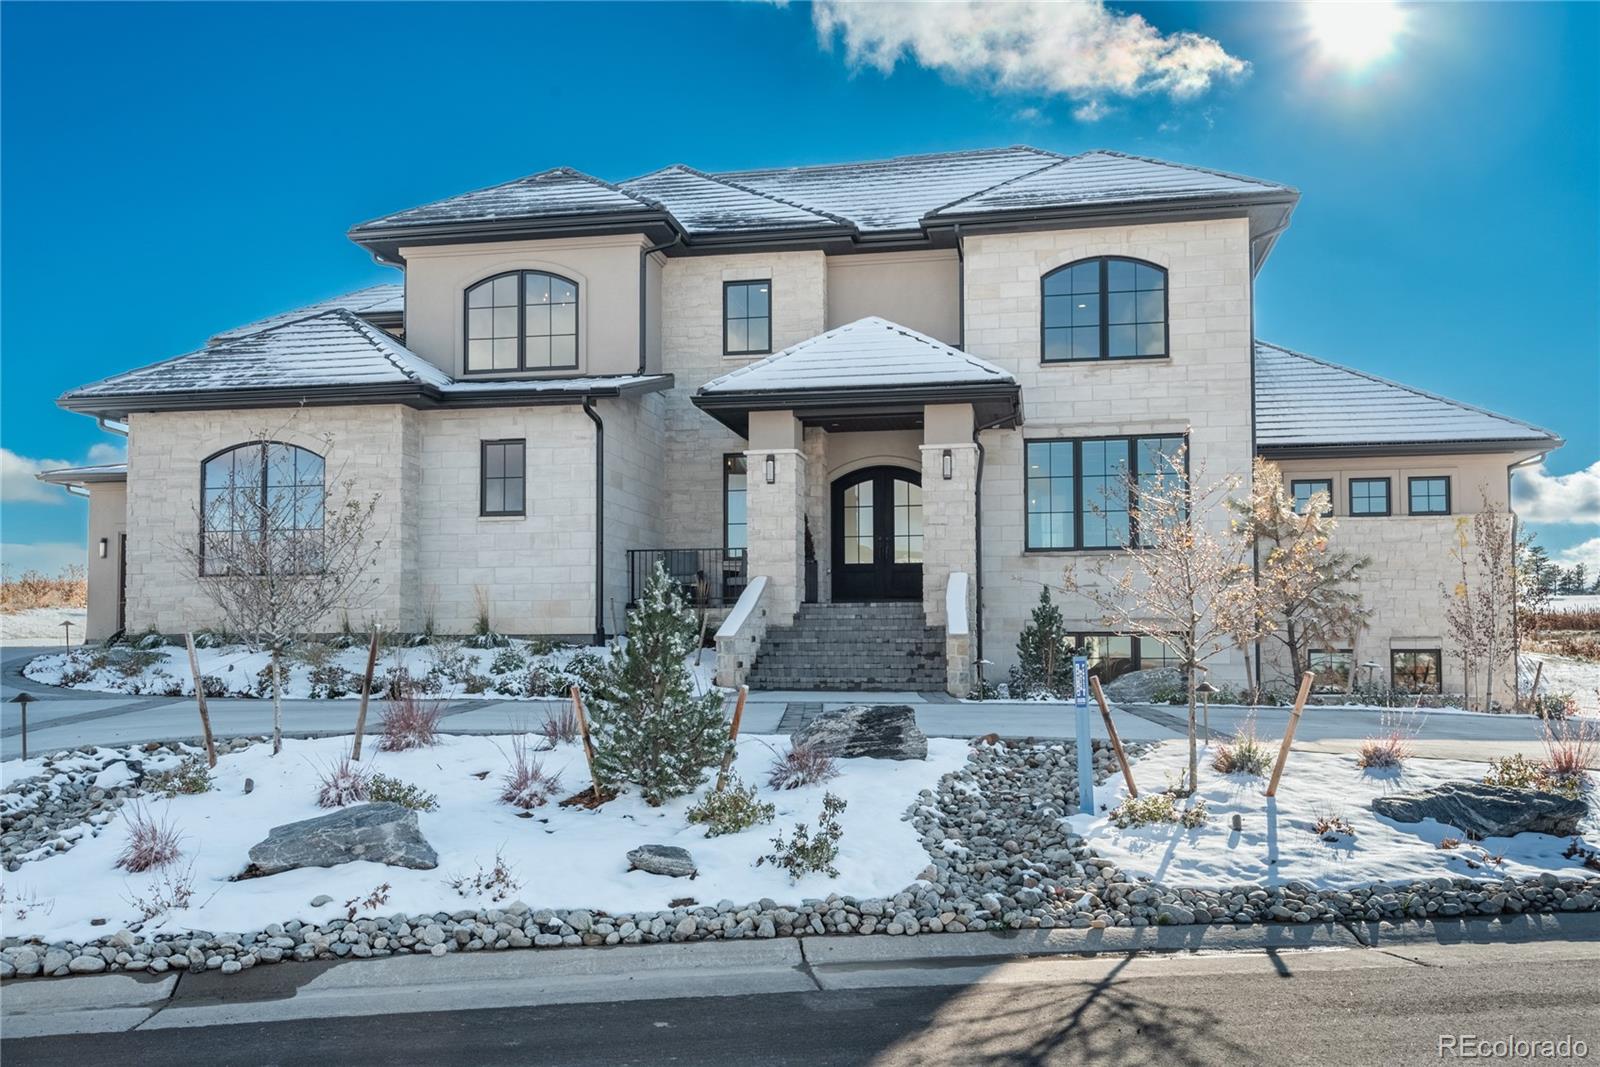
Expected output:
(108, 521)
(1203, 385)
(916, 289)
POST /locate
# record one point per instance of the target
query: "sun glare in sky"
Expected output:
(1355, 33)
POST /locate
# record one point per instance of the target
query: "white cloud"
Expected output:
(1539, 496)
(18, 484)
(1584, 552)
(46, 557)
(1081, 50)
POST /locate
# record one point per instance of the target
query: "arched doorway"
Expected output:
(877, 535)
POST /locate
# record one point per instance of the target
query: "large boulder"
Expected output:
(667, 860)
(876, 731)
(1139, 687)
(1486, 810)
(377, 833)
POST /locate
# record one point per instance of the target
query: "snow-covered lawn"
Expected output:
(1277, 844)
(42, 626)
(445, 668)
(563, 857)
(1562, 674)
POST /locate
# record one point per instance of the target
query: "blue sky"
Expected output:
(183, 168)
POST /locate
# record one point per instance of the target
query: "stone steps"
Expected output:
(855, 646)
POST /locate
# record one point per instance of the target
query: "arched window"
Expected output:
(1104, 308)
(524, 320)
(261, 510)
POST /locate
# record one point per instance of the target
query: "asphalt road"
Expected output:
(1335, 1007)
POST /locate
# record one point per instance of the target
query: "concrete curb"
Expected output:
(83, 1004)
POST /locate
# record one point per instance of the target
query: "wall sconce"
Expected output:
(772, 468)
(949, 465)
(103, 548)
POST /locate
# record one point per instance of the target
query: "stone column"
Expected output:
(818, 508)
(949, 505)
(777, 511)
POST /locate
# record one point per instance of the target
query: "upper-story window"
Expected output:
(1305, 488)
(1080, 494)
(1369, 496)
(747, 318)
(261, 510)
(1105, 308)
(524, 320)
(1430, 496)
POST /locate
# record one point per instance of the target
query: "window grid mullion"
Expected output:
(1105, 309)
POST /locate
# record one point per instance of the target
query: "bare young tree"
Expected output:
(1479, 611)
(1305, 587)
(1180, 575)
(279, 551)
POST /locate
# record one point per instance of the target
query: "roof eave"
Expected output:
(1350, 449)
(1000, 401)
(385, 242)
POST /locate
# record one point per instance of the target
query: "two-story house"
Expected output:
(862, 411)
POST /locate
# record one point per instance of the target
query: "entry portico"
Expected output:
(862, 464)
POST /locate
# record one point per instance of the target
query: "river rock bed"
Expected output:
(1000, 858)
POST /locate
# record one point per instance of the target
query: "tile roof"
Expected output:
(1105, 177)
(388, 298)
(703, 203)
(865, 353)
(552, 193)
(1302, 401)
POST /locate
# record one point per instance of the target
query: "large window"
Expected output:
(1415, 670)
(503, 482)
(1369, 496)
(1079, 494)
(747, 318)
(261, 510)
(525, 320)
(1430, 496)
(735, 519)
(1113, 655)
(1106, 308)
(1330, 667)
(1304, 489)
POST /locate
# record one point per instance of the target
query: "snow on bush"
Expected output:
(807, 853)
(411, 721)
(1153, 808)
(150, 843)
(497, 883)
(382, 789)
(1245, 754)
(344, 782)
(1519, 772)
(171, 889)
(525, 784)
(560, 726)
(731, 809)
(1385, 752)
(190, 776)
(802, 764)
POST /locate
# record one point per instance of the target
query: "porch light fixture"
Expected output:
(103, 548)
(949, 465)
(772, 468)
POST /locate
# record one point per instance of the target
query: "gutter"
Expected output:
(644, 259)
(599, 520)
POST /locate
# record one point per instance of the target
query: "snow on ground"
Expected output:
(238, 669)
(1574, 602)
(1277, 844)
(564, 857)
(1563, 674)
(42, 626)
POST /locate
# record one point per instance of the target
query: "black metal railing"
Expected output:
(708, 577)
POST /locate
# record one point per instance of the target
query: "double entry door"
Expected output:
(877, 535)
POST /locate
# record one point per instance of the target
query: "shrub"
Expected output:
(1153, 808)
(447, 660)
(731, 809)
(544, 681)
(212, 686)
(1330, 825)
(190, 776)
(807, 853)
(331, 681)
(149, 641)
(1391, 750)
(474, 683)
(1044, 654)
(497, 883)
(588, 671)
(396, 683)
(410, 722)
(1553, 706)
(483, 631)
(1569, 749)
(150, 843)
(211, 639)
(133, 662)
(373, 901)
(525, 784)
(1518, 772)
(508, 660)
(169, 890)
(311, 653)
(1246, 754)
(344, 783)
(802, 765)
(33, 590)
(1449, 842)
(560, 726)
(382, 789)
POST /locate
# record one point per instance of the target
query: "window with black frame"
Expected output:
(502, 489)
(1415, 670)
(1105, 308)
(1079, 494)
(1429, 496)
(1303, 489)
(747, 317)
(1369, 496)
(1330, 667)
(522, 320)
(261, 509)
(735, 519)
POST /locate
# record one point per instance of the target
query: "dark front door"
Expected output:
(877, 535)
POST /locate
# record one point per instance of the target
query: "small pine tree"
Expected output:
(1044, 651)
(650, 728)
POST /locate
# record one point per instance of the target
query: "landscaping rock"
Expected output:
(1139, 687)
(874, 731)
(1486, 810)
(666, 860)
(377, 833)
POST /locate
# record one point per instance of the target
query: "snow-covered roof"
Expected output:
(1304, 402)
(559, 192)
(98, 472)
(703, 203)
(1104, 177)
(867, 353)
(386, 299)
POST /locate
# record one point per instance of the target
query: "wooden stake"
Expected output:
(733, 735)
(366, 693)
(200, 699)
(588, 745)
(1288, 733)
(1111, 731)
(1533, 694)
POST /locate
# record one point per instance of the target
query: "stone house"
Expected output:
(862, 412)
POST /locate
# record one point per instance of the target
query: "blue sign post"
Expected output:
(1080, 688)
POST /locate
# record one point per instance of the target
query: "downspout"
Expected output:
(599, 520)
(644, 258)
(109, 426)
(1516, 645)
(977, 537)
(961, 292)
